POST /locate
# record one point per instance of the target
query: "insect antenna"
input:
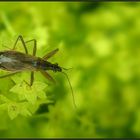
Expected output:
(66, 68)
(70, 87)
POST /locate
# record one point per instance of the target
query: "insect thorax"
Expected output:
(41, 64)
(45, 65)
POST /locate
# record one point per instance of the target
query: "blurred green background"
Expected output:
(100, 41)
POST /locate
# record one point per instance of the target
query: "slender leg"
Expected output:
(23, 42)
(26, 83)
(31, 81)
(7, 75)
(45, 74)
(32, 78)
(35, 44)
(50, 54)
(34, 53)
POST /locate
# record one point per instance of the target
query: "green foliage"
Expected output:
(26, 96)
(100, 41)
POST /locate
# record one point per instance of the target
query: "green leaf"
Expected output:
(24, 109)
(3, 99)
(39, 86)
(42, 95)
(13, 110)
(3, 106)
(30, 93)
(31, 96)
(20, 90)
(19, 77)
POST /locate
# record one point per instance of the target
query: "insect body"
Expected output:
(15, 61)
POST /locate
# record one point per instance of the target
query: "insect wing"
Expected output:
(16, 61)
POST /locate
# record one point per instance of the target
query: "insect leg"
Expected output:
(23, 42)
(45, 74)
(50, 54)
(34, 53)
(31, 81)
(32, 78)
(35, 44)
(7, 75)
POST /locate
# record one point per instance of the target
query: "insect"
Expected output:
(15, 62)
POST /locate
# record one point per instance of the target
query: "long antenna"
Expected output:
(71, 88)
(66, 68)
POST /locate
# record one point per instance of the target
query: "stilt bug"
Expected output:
(15, 62)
